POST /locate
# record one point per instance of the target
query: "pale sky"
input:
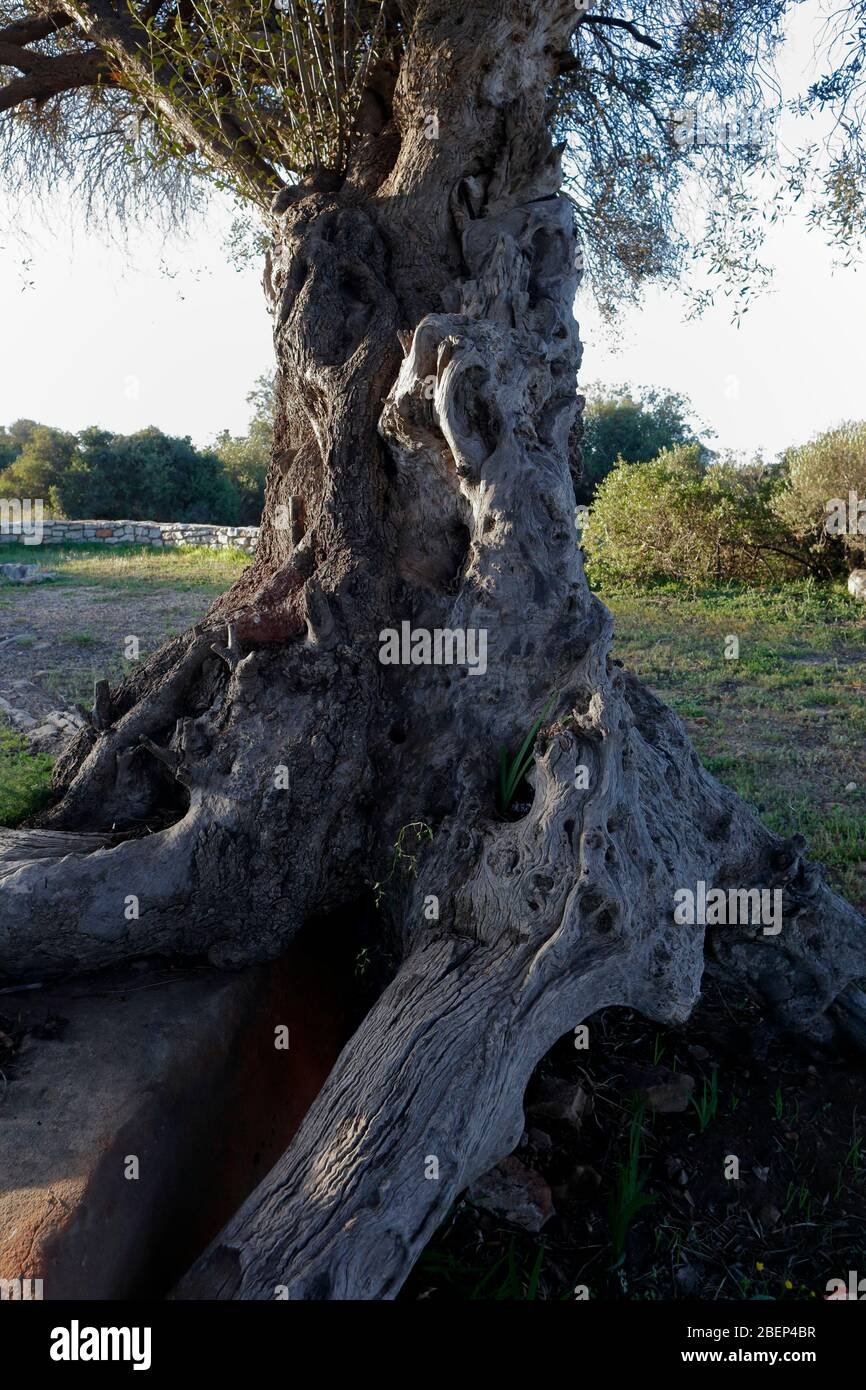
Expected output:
(171, 335)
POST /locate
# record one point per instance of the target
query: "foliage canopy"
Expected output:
(148, 475)
(142, 102)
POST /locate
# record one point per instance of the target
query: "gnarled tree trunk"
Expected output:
(427, 381)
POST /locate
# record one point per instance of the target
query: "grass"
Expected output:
(76, 686)
(510, 1278)
(416, 832)
(707, 1103)
(77, 656)
(628, 1197)
(784, 725)
(24, 777)
(134, 567)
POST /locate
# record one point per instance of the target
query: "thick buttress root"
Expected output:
(544, 922)
(278, 746)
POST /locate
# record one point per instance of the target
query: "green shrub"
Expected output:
(146, 476)
(33, 460)
(621, 422)
(675, 519)
(828, 468)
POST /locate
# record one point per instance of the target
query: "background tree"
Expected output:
(635, 426)
(422, 273)
(148, 475)
(10, 445)
(144, 475)
(37, 458)
(246, 458)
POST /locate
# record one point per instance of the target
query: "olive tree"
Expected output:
(417, 610)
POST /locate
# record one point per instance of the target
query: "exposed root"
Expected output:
(540, 924)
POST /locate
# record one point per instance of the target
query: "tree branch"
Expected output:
(12, 55)
(160, 84)
(25, 31)
(48, 77)
(626, 24)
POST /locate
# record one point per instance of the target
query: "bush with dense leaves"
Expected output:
(621, 423)
(145, 475)
(33, 459)
(675, 519)
(818, 480)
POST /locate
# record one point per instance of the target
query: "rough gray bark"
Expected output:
(428, 356)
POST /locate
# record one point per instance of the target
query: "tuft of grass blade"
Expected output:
(510, 778)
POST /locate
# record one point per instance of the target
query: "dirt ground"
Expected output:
(644, 1203)
(69, 636)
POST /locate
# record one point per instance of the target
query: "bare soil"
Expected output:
(68, 636)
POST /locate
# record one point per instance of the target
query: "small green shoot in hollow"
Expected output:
(512, 774)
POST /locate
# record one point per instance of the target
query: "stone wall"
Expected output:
(159, 534)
